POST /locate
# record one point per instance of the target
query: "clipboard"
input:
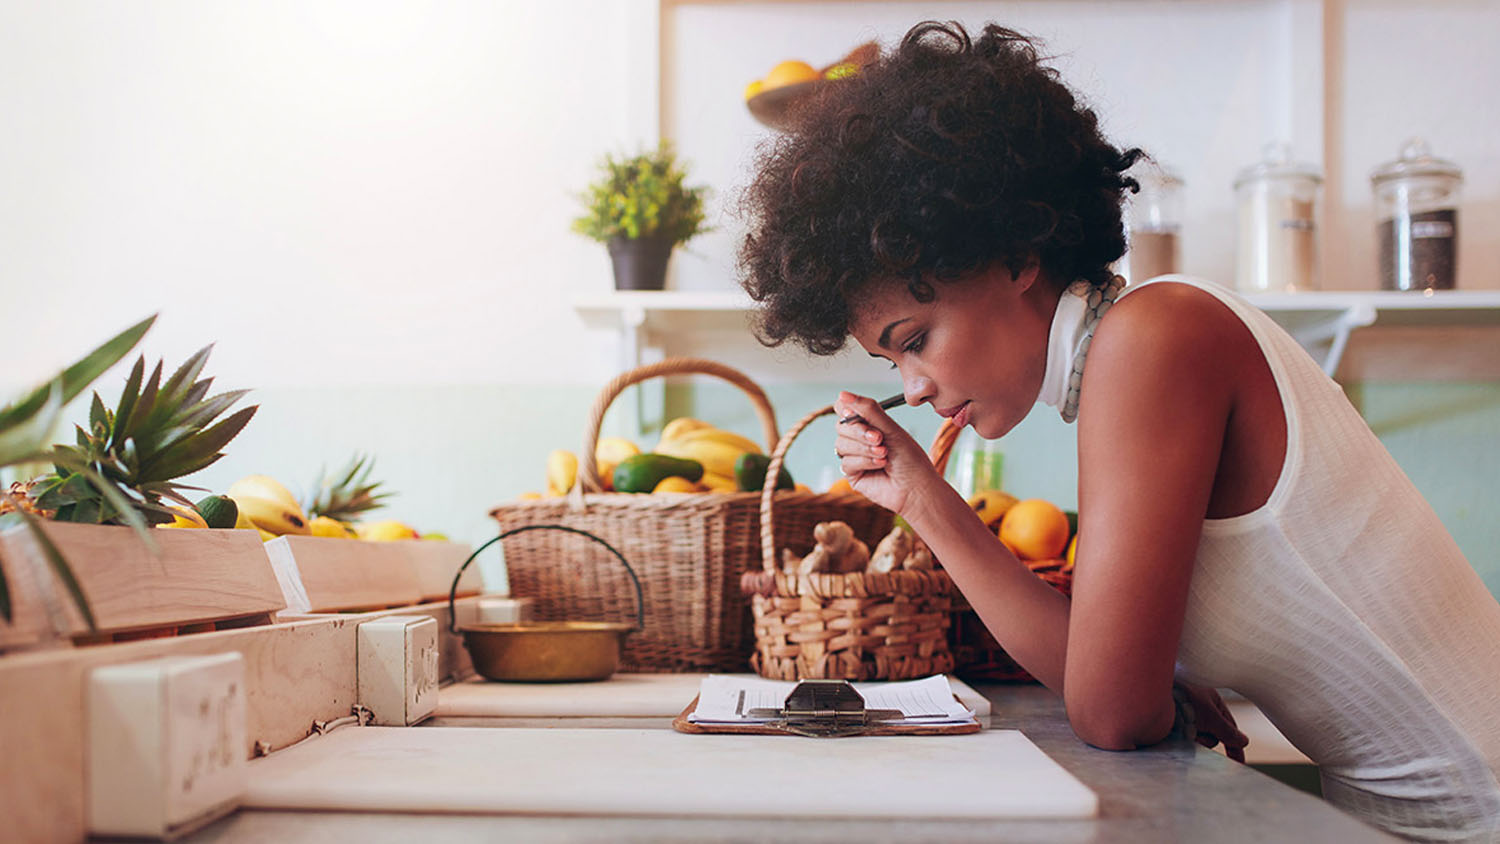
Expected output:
(825, 709)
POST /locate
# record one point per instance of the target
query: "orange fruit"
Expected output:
(789, 72)
(1035, 530)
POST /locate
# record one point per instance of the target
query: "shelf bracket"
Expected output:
(1334, 331)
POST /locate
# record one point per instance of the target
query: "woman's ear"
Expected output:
(1030, 271)
(1023, 275)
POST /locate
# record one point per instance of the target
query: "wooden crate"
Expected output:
(324, 574)
(436, 562)
(196, 579)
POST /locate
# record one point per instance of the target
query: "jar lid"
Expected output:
(1276, 163)
(1416, 160)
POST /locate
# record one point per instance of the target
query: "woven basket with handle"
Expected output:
(690, 549)
(850, 626)
(976, 654)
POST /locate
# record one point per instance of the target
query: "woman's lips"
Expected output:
(958, 415)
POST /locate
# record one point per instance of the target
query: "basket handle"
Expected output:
(588, 468)
(942, 446)
(640, 600)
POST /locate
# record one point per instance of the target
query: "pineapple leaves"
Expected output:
(77, 377)
(125, 413)
(22, 440)
(198, 451)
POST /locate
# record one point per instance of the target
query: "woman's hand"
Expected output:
(881, 460)
(1213, 721)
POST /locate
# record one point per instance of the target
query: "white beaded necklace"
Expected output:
(1078, 314)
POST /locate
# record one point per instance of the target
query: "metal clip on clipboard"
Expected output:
(826, 709)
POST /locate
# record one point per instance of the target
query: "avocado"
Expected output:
(219, 511)
(642, 472)
(750, 473)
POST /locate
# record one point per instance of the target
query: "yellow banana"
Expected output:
(681, 425)
(991, 505)
(242, 521)
(562, 470)
(273, 517)
(263, 486)
(718, 435)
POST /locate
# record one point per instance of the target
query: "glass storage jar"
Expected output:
(1276, 201)
(1154, 246)
(1416, 214)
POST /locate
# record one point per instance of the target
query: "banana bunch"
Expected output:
(269, 506)
(716, 449)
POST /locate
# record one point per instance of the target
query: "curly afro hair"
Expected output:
(933, 163)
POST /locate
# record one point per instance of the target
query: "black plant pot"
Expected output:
(640, 264)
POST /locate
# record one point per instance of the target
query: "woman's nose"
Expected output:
(918, 390)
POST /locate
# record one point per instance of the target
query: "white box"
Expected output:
(166, 744)
(398, 668)
(503, 610)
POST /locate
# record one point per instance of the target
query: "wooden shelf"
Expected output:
(1320, 320)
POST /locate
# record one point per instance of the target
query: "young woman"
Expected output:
(955, 209)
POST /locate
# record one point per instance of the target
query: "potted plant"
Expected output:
(641, 210)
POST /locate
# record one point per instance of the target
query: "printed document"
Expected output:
(726, 699)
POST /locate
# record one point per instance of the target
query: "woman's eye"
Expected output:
(915, 344)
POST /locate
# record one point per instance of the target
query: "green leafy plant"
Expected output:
(642, 196)
(157, 433)
(348, 495)
(25, 427)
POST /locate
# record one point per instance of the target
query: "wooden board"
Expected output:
(325, 574)
(621, 696)
(195, 576)
(990, 775)
(436, 562)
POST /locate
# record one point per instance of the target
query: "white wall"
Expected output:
(336, 192)
(1201, 84)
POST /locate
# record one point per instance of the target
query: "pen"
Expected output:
(887, 404)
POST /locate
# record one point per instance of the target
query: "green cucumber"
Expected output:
(642, 472)
(750, 473)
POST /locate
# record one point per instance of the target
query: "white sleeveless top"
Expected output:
(1345, 612)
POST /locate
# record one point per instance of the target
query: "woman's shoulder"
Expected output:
(1169, 318)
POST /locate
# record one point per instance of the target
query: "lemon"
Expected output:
(184, 518)
(1072, 552)
(790, 72)
(325, 526)
(672, 483)
(386, 531)
(754, 88)
(1035, 530)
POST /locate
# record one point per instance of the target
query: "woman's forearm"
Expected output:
(1026, 615)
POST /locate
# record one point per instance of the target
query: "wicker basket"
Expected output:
(854, 626)
(976, 654)
(690, 550)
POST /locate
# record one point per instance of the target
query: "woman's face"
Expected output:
(976, 352)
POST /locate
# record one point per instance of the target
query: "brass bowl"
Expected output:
(546, 651)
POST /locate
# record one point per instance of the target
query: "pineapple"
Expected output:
(19, 499)
(350, 494)
(157, 433)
